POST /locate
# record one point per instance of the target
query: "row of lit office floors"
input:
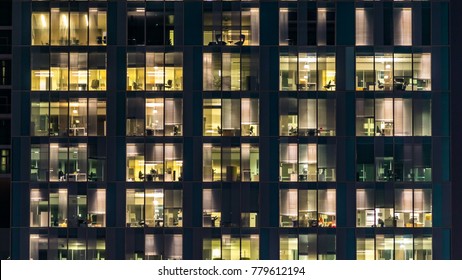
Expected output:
(138, 245)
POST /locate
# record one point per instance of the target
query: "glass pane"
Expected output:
(327, 208)
(288, 76)
(288, 212)
(78, 71)
(326, 72)
(98, 26)
(307, 71)
(365, 73)
(364, 27)
(402, 19)
(59, 27)
(78, 117)
(307, 208)
(135, 208)
(58, 208)
(135, 71)
(288, 247)
(212, 117)
(59, 71)
(97, 71)
(40, 30)
(211, 208)
(38, 208)
(288, 154)
(78, 28)
(135, 162)
(250, 158)
(97, 208)
(384, 71)
(154, 208)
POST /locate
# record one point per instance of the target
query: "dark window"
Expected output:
(5, 72)
(5, 132)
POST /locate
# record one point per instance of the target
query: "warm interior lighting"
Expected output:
(44, 23)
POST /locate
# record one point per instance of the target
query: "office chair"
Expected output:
(380, 85)
(95, 84)
(241, 40)
(219, 39)
(329, 85)
(169, 84)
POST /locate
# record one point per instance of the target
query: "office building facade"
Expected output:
(231, 130)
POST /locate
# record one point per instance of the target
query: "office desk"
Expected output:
(77, 131)
(154, 131)
(74, 177)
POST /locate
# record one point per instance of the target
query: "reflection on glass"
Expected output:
(326, 72)
(164, 71)
(97, 20)
(154, 208)
(78, 117)
(173, 212)
(39, 162)
(59, 71)
(39, 208)
(384, 71)
(288, 162)
(327, 208)
(211, 208)
(250, 114)
(135, 162)
(307, 208)
(38, 247)
(211, 249)
(173, 117)
(288, 212)
(96, 208)
(404, 247)
(230, 117)
(97, 71)
(78, 28)
(58, 208)
(59, 27)
(250, 158)
(384, 117)
(365, 214)
(402, 72)
(288, 247)
(135, 208)
(211, 163)
(135, 71)
(40, 70)
(155, 117)
(422, 71)
(78, 71)
(40, 31)
(365, 73)
(39, 125)
(135, 116)
(288, 117)
(212, 71)
(288, 78)
(402, 23)
(364, 27)
(307, 72)
(212, 117)
(365, 248)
